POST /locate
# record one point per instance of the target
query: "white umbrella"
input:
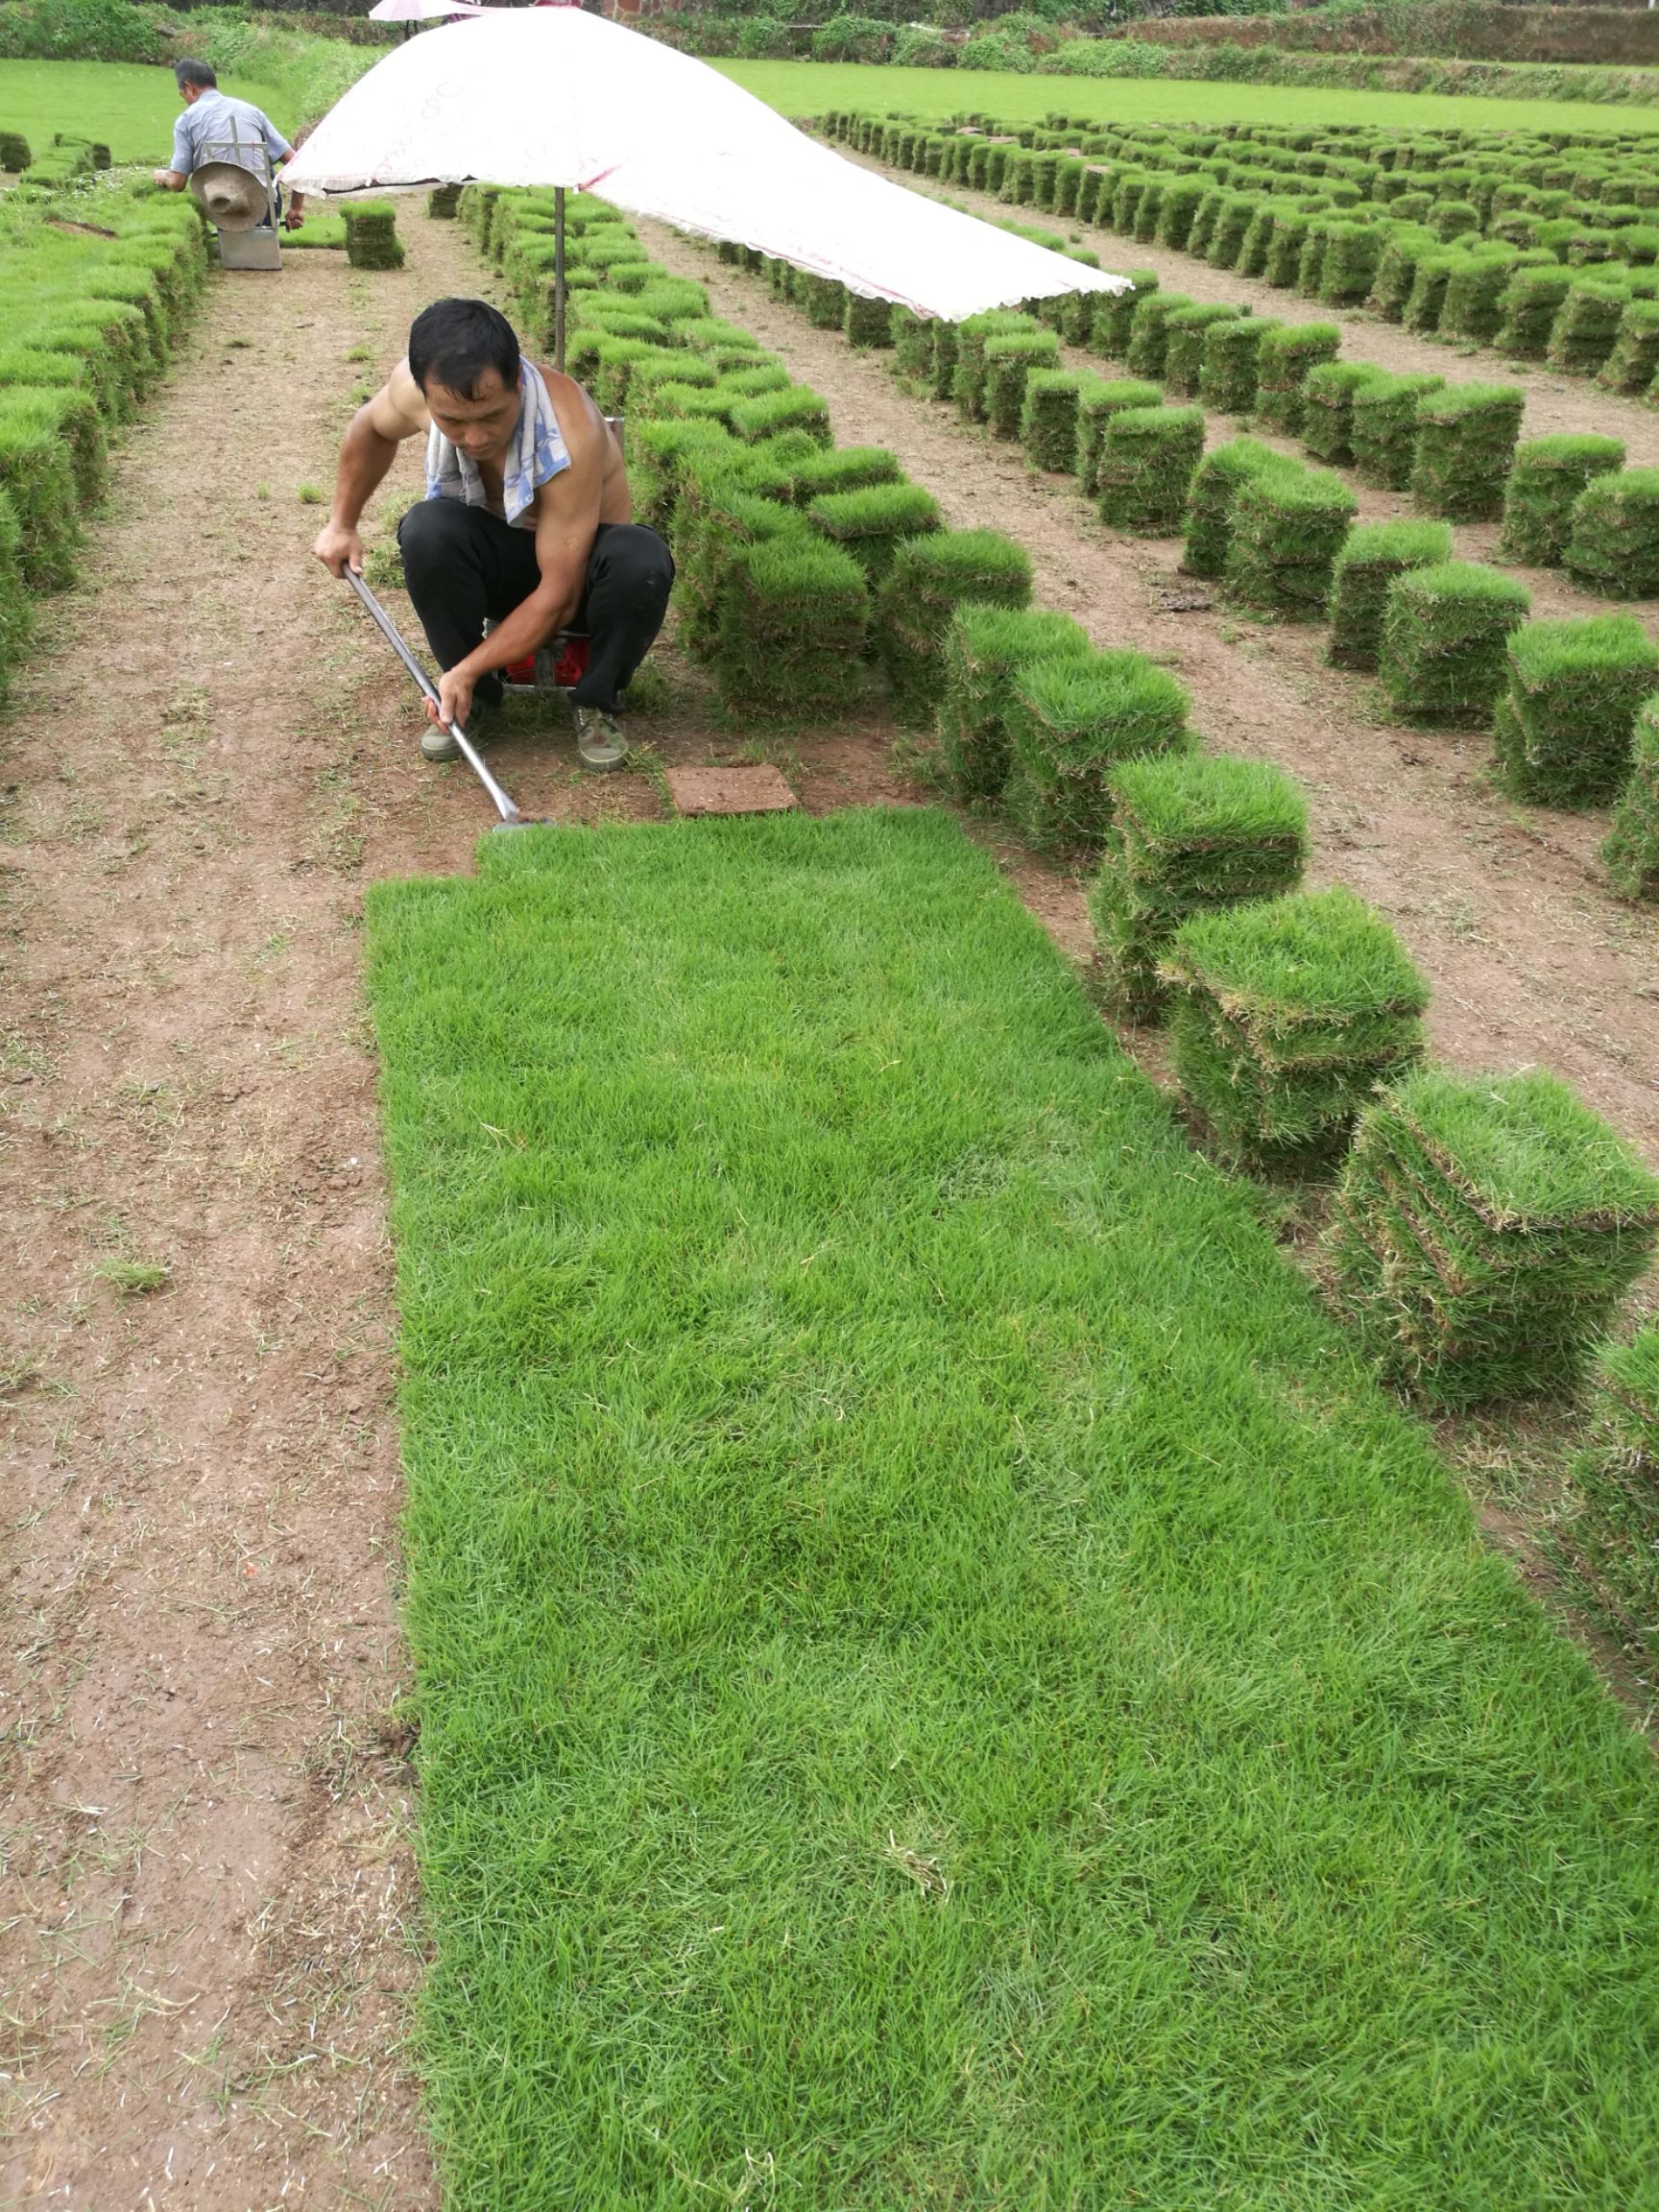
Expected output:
(553, 96)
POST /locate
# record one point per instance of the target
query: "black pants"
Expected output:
(462, 563)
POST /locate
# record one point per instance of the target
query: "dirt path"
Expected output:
(1553, 403)
(1531, 960)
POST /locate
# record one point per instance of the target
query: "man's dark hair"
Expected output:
(455, 341)
(201, 74)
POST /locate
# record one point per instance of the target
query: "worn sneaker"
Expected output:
(437, 744)
(599, 743)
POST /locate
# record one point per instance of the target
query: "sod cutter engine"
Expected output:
(510, 818)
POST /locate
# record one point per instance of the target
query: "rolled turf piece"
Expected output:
(1383, 429)
(1148, 335)
(1613, 538)
(1485, 1232)
(868, 321)
(1190, 833)
(1371, 555)
(967, 377)
(16, 603)
(869, 524)
(946, 343)
(1564, 725)
(1289, 352)
(1181, 198)
(1466, 437)
(929, 578)
(1070, 722)
(1286, 528)
(983, 649)
(1586, 329)
(1635, 356)
(1098, 400)
(1546, 478)
(1216, 484)
(792, 623)
(1112, 326)
(37, 476)
(1288, 1017)
(1185, 335)
(372, 240)
(1009, 360)
(442, 202)
(1531, 301)
(1630, 850)
(1048, 417)
(1145, 466)
(1607, 1535)
(1445, 630)
(1228, 374)
(1328, 408)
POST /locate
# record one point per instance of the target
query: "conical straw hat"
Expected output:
(233, 197)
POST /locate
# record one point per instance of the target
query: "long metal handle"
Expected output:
(469, 753)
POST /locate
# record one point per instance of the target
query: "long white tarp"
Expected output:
(556, 96)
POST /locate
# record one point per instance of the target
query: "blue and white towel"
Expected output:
(536, 455)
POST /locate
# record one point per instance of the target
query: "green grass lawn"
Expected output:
(127, 107)
(940, 1682)
(810, 87)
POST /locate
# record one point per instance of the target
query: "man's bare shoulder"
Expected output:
(403, 402)
(579, 417)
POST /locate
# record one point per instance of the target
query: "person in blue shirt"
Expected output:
(210, 123)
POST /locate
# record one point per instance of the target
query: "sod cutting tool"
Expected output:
(510, 818)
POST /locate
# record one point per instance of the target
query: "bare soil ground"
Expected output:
(210, 1927)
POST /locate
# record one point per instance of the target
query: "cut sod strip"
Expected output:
(940, 1680)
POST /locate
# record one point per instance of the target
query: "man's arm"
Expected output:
(174, 179)
(378, 429)
(567, 518)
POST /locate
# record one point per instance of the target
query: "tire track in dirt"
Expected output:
(1531, 961)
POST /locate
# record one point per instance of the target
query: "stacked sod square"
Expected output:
(1190, 833)
(1445, 630)
(1466, 438)
(1070, 721)
(984, 649)
(372, 240)
(1563, 728)
(1630, 850)
(1215, 486)
(1546, 478)
(929, 578)
(1485, 1232)
(1286, 1017)
(1144, 464)
(1371, 557)
(1607, 1536)
(1612, 535)
(1286, 528)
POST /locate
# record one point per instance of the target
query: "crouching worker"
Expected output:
(527, 521)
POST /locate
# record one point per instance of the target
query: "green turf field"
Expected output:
(129, 108)
(939, 1683)
(808, 87)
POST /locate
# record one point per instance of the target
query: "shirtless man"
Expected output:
(527, 520)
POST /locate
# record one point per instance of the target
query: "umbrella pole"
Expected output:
(559, 278)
